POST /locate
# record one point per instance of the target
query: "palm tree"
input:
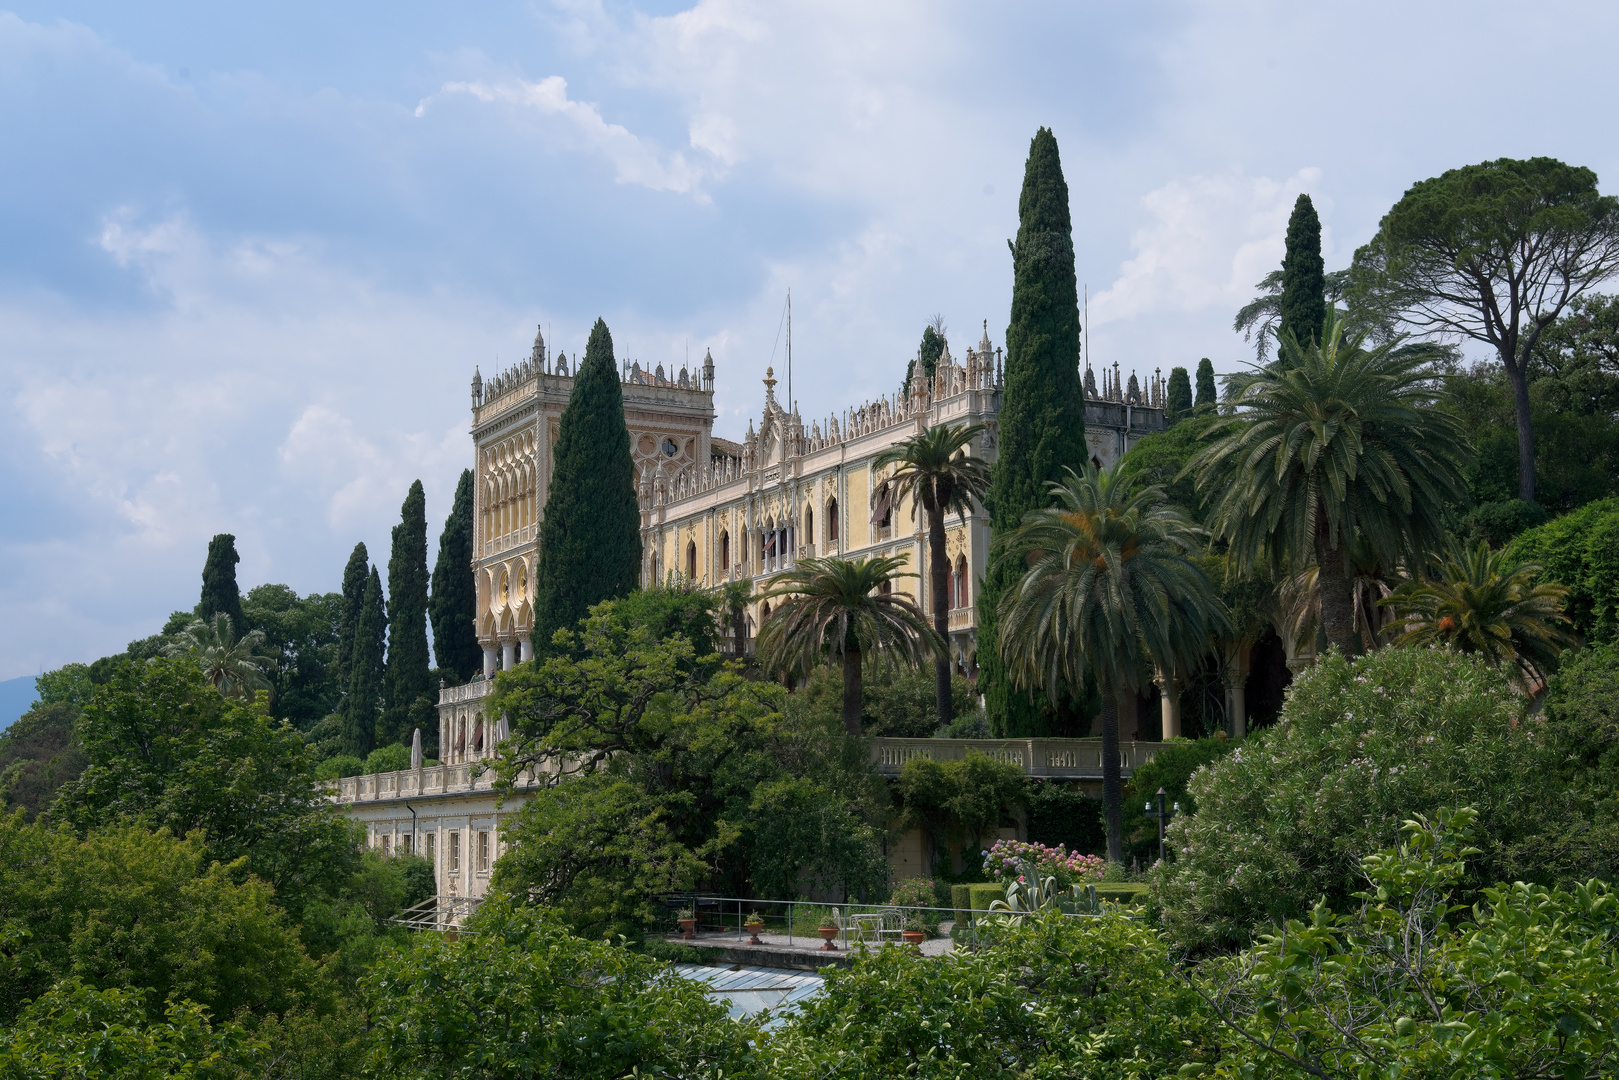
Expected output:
(1330, 443)
(838, 608)
(228, 662)
(1110, 585)
(1485, 602)
(937, 472)
(734, 596)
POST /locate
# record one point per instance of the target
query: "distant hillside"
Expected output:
(15, 697)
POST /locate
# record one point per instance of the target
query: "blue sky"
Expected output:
(249, 255)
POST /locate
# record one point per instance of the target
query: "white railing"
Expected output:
(415, 783)
(471, 691)
(1055, 758)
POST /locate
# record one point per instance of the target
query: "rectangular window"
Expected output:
(385, 850)
(455, 852)
(431, 849)
(483, 852)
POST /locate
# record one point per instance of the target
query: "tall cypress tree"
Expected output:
(409, 664)
(219, 591)
(1206, 394)
(1179, 402)
(590, 537)
(360, 712)
(454, 607)
(928, 352)
(1042, 418)
(355, 575)
(1304, 281)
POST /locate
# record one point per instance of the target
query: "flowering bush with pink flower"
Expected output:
(1005, 860)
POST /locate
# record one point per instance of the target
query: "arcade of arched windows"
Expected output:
(508, 479)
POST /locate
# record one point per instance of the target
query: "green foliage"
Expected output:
(1179, 397)
(300, 635)
(356, 574)
(964, 800)
(1334, 444)
(67, 685)
(1207, 396)
(409, 692)
(896, 702)
(676, 767)
(523, 997)
(166, 751)
(1493, 252)
(367, 673)
(388, 758)
(666, 611)
(76, 1030)
(349, 928)
(927, 353)
(1042, 419)
(1171, 769)
(1582, 759)
(1520, 985)
(1581, 551)
(1063, 814)
(454, 607)
(835, 609)
(1161, 460)
(1048, 997)
(231, 664)
(145, 911)
(1304, 301)
(590, 535)
(219, 590)
(1496, 523)
(38, 754)
(334, 768)
(1284, 819)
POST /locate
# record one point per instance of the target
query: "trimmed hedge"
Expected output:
(976, 896)
(1581, 550)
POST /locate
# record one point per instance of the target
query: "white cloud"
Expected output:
(636, 160)
(1207, 241)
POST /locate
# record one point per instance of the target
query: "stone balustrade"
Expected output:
(1060, 759)
(429, 781)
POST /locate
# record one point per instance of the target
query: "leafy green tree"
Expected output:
(896, 701)
(1493, 252)
(1303, 308)
(355, 576)
(1161, 460)
(523, 997)
(1334, 444)
(219, 591)
(77, 1030)
(1042, 420)
(1207, 396)
(927, 353)
(409, 690)
(1581, 551)
(1581, 758)
(961, 802)
(1108, 585)
(836, 609)
(455, 595)
(590, 535)
(1410, 985)
(1487, 602)
(232, 665)
(810, 837)
(301, 640)
(937, 472)
(1179, 398)
(38, 754)
(167, 751)
(1170, 769)
(1045, 997)
(1361, 746)
(368, 674)
(69, 684)
(129, 908)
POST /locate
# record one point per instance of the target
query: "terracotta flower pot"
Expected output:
(688, 928)
(753, 929)
(827, 934)
(912, 937)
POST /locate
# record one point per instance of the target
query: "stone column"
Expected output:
(525, 650)
(1235, 677)
(508, 655)
(1169, 702)
(488, 664)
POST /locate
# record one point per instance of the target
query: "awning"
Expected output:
(880, 514)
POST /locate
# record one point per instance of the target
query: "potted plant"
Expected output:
(755, 923)
(914, 931)
(829, 929)
(687, 918)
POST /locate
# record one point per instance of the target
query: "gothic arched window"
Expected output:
(832, 521)
(691, 560)
(725, 550)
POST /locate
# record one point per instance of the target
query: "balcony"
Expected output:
(963, 618)
(1058, 759)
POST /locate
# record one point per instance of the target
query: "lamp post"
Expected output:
(1164, 818)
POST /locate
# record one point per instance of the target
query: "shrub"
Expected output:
(335, 768)
(963, 800)
(1062, 814)
(390, 758)
(1170, 768)
(1006, 860)
(1285, 818)
(1581, 550)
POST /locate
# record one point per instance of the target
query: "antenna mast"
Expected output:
(789, 348)
(1087, 324)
